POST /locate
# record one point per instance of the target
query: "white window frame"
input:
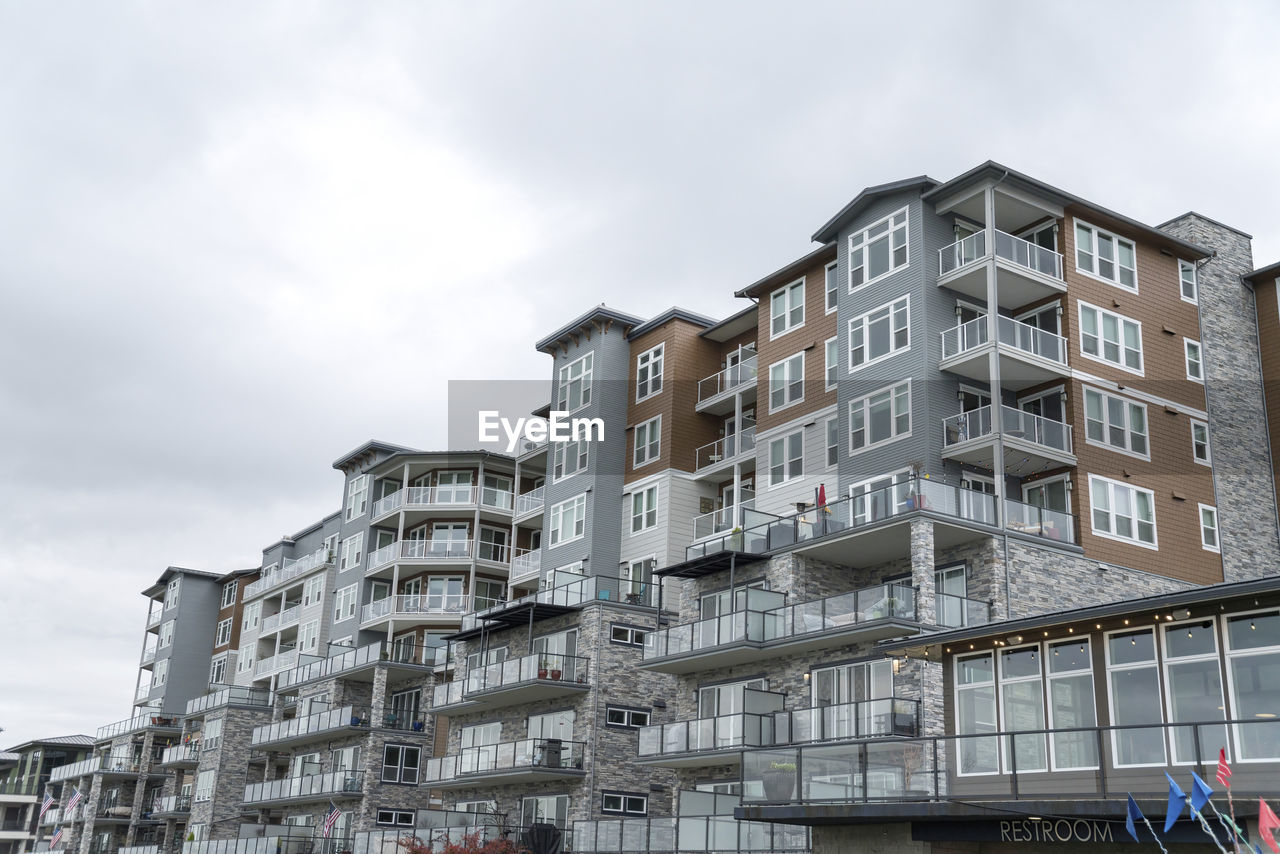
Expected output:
(352, 550)
(312, 590)
(222, 635)
(831, 362)
(218, 669)
(1108, 668)
(1129, 433)
(1049, 676)
(631, 718)
(1035, 484)
(624, 804)
(1188, 344)
(859, 242)
(229, 593)
(205, 781)
(647, 442)
(1112, 486)
(166, 634)
(556, 517)
(863, 404)
(633, 636)
(646, 500)
(357, 497)
(791, 303)
(395, 818)
(252, 615)
(957, 687)
(561, 456)
(1008, 744)
(245, 657)
(859, 327)
(171, 593)
(1183, 268)
(1093, 242)
(344, 602)
(1208, 450)
(787, 380)
(585, 366)
(1121, 320)
(832, 428)
(1216, 547)
(786, 460)
(160, 673)
(650, 365)
(309, 637)
(832, 287)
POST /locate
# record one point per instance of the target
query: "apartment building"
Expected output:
(24, 776)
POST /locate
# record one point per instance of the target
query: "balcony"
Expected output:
(288, 617)
(155, 617)
(715, 740)
(283, 839)
(528, 503)
(289, 570)
(417, 608)
(1028, 356)
(432, 552)
(273, 664)
(955, 612)
(526, 562)
(1008, 766)
(723, 453)
(51, 817)
(76, 769)
(314, 787)
(890, 716)
(436, 827)
(766, 628)
(515, 681)
(172, 805)
(509, 762)
(719, 521)
(570, 591)
(693, 833)
(1040, 522)
(1032, 443)
(436, 499)
(309, 727)
(360, 663)
(148, 655)
(1025, 272)
(181, 755)
(142, 692)
(138, 849)
(231, 695)
(715, 393)
(136, 724)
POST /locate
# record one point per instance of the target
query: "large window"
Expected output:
(245, 657)
(229, 593)
(357, 496)
(312, 590)
(1133, 680)
(568, 520)
(352, 550)
(309, 637)
(1195, 360)
(166, 634)
(575, 384)
(204, 786)
(878, 250)
(211, 738)
(880, 417)
(1110, 337)
(1187, 282)
(1115, 422)
(1253, 674)
(223, 636)
(400, 763)
(545, 809)
(1107, 256)
(1193, 684)
(648, 442)
(976, 713)
(344, 603)
(649, 373)
(1071, 704)
(1123, 512)
(252, 615)
(833, 440)
(786, 458)
(786, 309)
(569, 459)
(644, 509)
(786, 382)
(218, 670)
(880, 333)
(1022, 708)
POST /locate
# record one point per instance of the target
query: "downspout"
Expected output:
(1262, 384)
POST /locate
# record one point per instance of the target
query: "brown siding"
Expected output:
(810, 338)
(234, 611)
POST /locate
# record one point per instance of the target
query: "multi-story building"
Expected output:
(179, 639)
(24, 777)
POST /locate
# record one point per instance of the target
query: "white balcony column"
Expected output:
(737, 467)
(475, 529)
(993, 360)
(404, 487)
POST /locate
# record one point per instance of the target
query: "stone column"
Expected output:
(922, 564)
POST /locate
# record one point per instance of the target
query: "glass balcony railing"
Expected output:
(181, 754)
(529, 502)
(1014, 334)
(75, 769)
(321, 722)
(572, 590)
(135, 723)
(284, 619)
(1017, 424)
(238, 695)
(727, 448)
(729, 379)
(428, 497)
(172, 804)
(350, 659)
(1015, 250)
(317, 786)
(527, 669)
(694, 833)
(1040, 521)
(525, 562)
(954, 611)
(544, 753)
(440, 551)
(719, 521)
(861, 719)
(753, 726)
(289, 570)
(416, 605)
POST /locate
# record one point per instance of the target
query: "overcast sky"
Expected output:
(239, 239)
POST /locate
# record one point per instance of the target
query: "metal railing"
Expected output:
(181, 753)
(887, 716)
(1100, 762)
(136, 723)
(75, 769)
(285, 618)
(722, 732)
(725, 448)
(275, 663)
(681, 834)
(577, 591)
(142, 692)
(977, 423)
(148, 655)
(399, 653)
(526, 561)
(415, 605)
(762, 620)
(238, 695)
(732, 377)
(545, 666)
(550, 753)
(426, 550)
(21, 786)
(1021, 252)
(952, 611)
(315, 785)
(291, 568)
(1013, 333)
(434, 827)
(414, 497)
(530, 502)
(273, 841)
(154, 617)
(321, 722)
(718, 521)
(139, 849)
(172, 803)
(1039, 521)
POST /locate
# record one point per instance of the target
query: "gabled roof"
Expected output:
(777, 276)
(368, 449)
(1270, 271)
(599, 317)
(673, 313)
(57, 740)
(170, 572)
(832, 227)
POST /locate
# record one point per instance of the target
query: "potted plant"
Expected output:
(735, 539)
(542, 669)
(556, 672)
(779, 781)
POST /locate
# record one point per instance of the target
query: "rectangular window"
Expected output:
(344, 603)
(1253, 662)
(626, 635)
(570, 458)
(1107, 256)
(244, 658)
(976, 713)
(1187, 281)
(218, 670)
(352, 550)
(575, 384)
(832, 362)
(395, 818)
(786, 308)
(1110, 337)
(309, 637)
(879, 334)
(648, 442)
(1195, 360)
(166, 634)
(312, 590)
(833, 287)
(229, 593)
(1071, 704)
(786, 382)
(833, 440)
(400, 763)
(649, 373)
(252, 614)
(880, 417)
(1115, 422)
(622, 804)
(204, 786)
(1200, 442)
(223, 636)
(644, 509)
(617, 716)
(878, 250)
(1209, 528)
(1134, 682)
(568, 520)
(211, 738)
(545, 809)
(1022, 709)
(1193, 688)
(357, 496)
(1123, 512)
(171, 594)
(786, 458)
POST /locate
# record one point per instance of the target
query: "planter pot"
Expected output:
(555, 674)
(779, 785)
(735, 542)
(542, 673)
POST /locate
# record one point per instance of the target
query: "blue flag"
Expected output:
(1177, 801)
(1200, 793)
(1134, 814)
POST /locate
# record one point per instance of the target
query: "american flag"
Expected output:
(48, 802)
(74, 799)
(331, 818)
(56, 838)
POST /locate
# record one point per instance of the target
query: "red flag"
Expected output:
(1267, 824)
(1224, 770)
